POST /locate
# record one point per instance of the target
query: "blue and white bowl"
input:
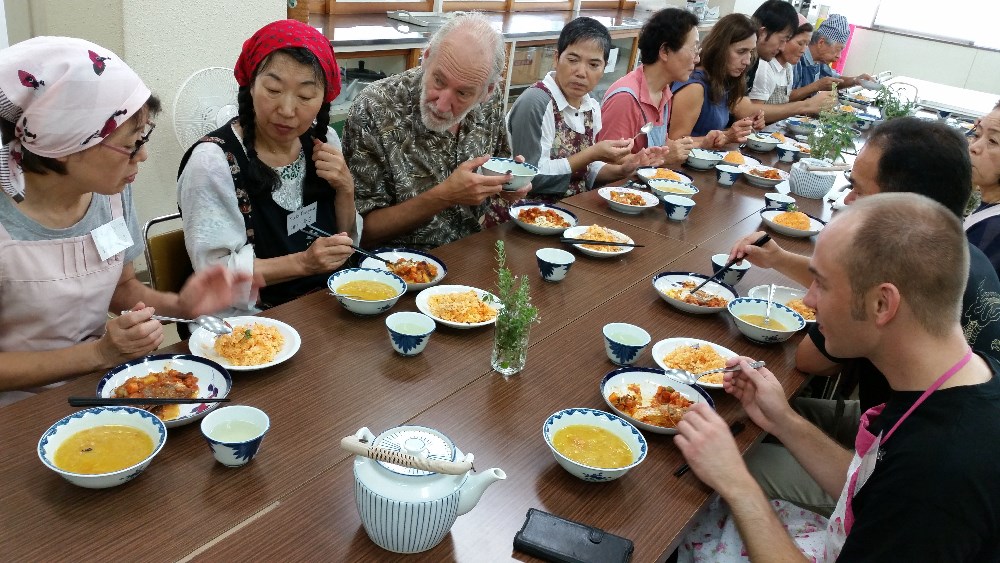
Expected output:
(749, 174)
(677, 207)
(778, 201)
(362, 307)
(214, 381)
(394, 254)
(665, 281)
(800, 125)
(727, 174)
(735, 272)
(787, 152)
(521, 172)
(624, 342)
(229, 451)
(649, 381)
(592, 417)
(704, 159)
(663, 188)
(101, 416)
(762, 142)
(409, 332)
(792, 321)
(554, 263)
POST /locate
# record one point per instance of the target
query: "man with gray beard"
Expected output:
(414, 141)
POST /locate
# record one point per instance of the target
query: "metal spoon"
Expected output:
(207, 322)
(692, 378)
(644, 130)
(770, 300)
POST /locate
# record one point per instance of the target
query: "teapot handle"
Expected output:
(355, 445)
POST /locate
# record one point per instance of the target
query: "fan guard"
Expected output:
(205, 102)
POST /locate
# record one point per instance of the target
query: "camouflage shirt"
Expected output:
(393, 157)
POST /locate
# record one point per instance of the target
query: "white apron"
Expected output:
(54, 293)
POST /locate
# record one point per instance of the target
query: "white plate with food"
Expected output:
(674, 288)
(695, 356)
(648, 174)
(272, 344)
(763, 176)
(788, 296)
(169, 375)
(418, 269)
(633, 393)
(792, 223)
(736, 158)
(628, 200)
(598, 234)
(542, 218)
(458, 306)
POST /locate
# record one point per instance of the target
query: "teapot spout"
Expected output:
(474, 487)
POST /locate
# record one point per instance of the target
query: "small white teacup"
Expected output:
(735, 272)
(624, 342)
(234, 433)
(409, 332)
(677, 207)
(778, 201)
(554, 263)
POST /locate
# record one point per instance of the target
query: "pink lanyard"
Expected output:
(940, 381)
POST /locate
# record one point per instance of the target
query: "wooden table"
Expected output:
(295, 500)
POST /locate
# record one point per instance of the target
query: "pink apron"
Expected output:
(863, 464)
(54, 293)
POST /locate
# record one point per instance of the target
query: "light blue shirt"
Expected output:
(808, 71)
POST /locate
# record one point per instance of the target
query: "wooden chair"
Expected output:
(167, 260)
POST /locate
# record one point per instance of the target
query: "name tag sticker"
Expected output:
(297, 220)
(112, 238)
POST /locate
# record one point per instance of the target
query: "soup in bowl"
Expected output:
(102, 447)
(593, 445)
(366, 291)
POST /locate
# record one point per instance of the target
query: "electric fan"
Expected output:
(205, 102)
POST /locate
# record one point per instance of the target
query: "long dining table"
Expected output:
(295, 500)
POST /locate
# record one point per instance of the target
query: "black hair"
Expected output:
(667, 28)
(585, 29)
(804, 28)
(776, 16)
(35, 164)
(908, 144)
(261, 178)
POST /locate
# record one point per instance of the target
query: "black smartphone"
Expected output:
(553, 538)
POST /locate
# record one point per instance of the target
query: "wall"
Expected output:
(955, 65)
(164, 41)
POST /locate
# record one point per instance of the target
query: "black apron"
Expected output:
(266, 221)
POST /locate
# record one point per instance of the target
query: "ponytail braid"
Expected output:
(260, 177)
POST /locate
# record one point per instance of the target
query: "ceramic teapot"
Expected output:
(411, 483)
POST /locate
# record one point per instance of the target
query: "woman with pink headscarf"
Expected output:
(75, 120)
(264, 193)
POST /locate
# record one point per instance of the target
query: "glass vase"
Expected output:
(510, 347)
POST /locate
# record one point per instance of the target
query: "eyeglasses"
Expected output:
(138, 144)
(696, 50)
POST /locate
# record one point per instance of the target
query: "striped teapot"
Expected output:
(411, 483)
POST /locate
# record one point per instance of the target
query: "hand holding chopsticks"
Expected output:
(759, 242)
(318, 232)
(735, 428)
(140, 401)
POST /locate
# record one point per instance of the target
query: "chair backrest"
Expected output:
(166, 257)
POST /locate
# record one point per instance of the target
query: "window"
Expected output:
(966, 21)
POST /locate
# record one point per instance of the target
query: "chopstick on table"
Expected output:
(735, 428)
(140, 401)
(317, 232)
(599, 242)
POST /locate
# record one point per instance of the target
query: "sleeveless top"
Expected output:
(713, 116)
(266, 221)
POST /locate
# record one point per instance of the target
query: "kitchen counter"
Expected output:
(372, 32)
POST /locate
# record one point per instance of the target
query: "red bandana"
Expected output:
(288, 33)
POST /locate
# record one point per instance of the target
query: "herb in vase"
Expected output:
(834, 133)
(892, 105)
(514, 319)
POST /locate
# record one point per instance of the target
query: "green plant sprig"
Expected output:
(891, 105)
(517, 314)
(833, 133)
